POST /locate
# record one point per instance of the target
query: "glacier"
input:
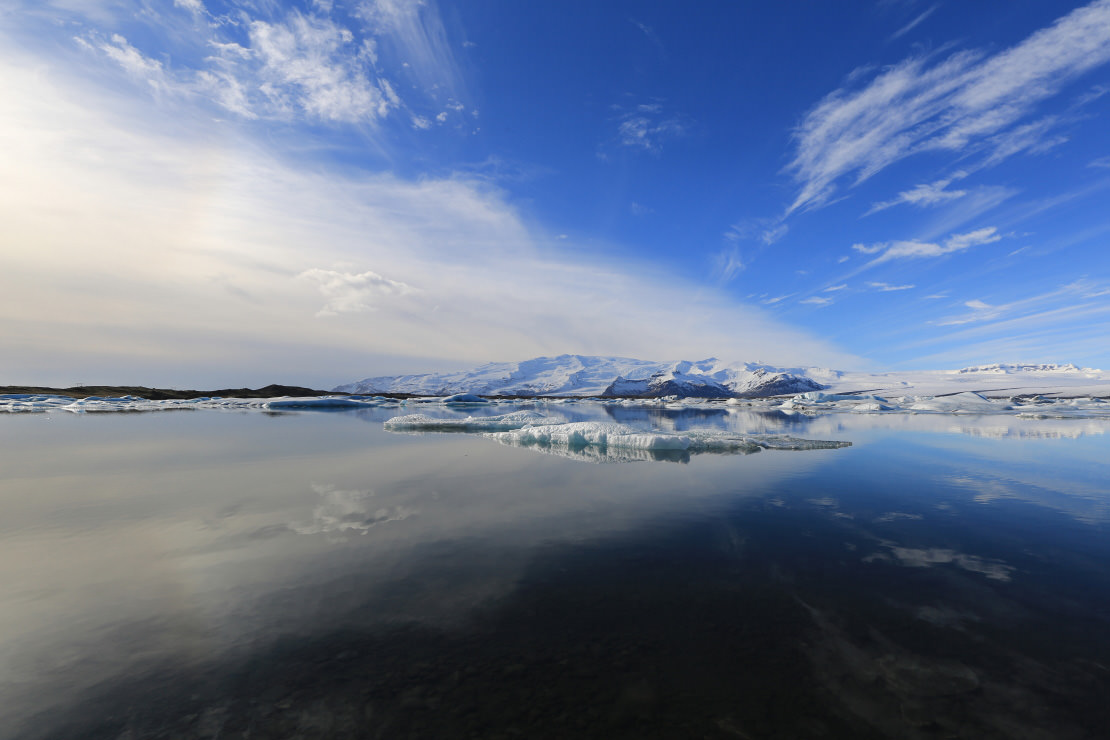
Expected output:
(584, 375)
(621, 377)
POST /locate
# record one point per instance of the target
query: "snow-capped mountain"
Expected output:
(583, 375)
(759, 382)
(1001, 368)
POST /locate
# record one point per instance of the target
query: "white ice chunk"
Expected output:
(607, 435)
(322, 402)
(464, 399)
(502, 422)
(593, 433)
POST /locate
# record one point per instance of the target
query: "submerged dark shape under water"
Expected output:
(308, 575)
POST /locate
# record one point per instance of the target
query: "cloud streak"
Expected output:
(646, 127)
(926, 194)
(969, 101)
(896, 250)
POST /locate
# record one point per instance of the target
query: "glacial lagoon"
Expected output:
(234, 572)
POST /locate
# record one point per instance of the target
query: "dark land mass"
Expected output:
(157, 394)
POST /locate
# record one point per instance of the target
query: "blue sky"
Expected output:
(205, 192)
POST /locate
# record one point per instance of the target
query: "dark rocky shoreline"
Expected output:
(158, 394)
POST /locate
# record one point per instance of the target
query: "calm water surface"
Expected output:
(231, 575)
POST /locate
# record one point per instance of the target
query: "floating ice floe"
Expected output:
(464, 399)
(502, 422)
(610, 442)
(29, 403)
(963, 403)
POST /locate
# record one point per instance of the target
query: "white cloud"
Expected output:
(887, 287)
(651, 35)
(957, 242)
(888, 251)
(293, 64)
(817, 301)
(1101, 162)
(640, 132)
(772, 235)
(134, 63)
(413, 31)
(646, 127)
(926, 194)
(193, 6)
(308, 60)
(227, 91)
(970, 100)
(353, 293)
(913, 24)
(1046, 308)
(766, 230)
(869, 248)
(776, 299)
(834, 288)
(728, 264)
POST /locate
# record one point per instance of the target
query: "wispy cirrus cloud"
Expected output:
(969, 101)
(925, 194)
(133, 62)
(887, 287)
(728, 264)
(647, 126)
(918, 20)
(766, 230)
(888, 251)
(413, 30)
(193, 6)
(1082, 294)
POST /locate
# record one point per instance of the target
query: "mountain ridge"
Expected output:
(574, 375)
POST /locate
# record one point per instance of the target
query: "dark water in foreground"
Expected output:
(232, 575)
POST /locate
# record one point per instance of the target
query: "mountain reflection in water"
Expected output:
(311, 575)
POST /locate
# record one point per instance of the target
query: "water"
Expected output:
(206, 574)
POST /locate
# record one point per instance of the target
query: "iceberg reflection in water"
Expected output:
(598, 441)
(306, 574)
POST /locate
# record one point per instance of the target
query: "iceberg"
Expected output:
(603, 441)
(425, 423)
(609, 437)
(462, 399)
(593, 433)
(322, 402)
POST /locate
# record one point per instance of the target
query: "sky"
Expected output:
(215, 193)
